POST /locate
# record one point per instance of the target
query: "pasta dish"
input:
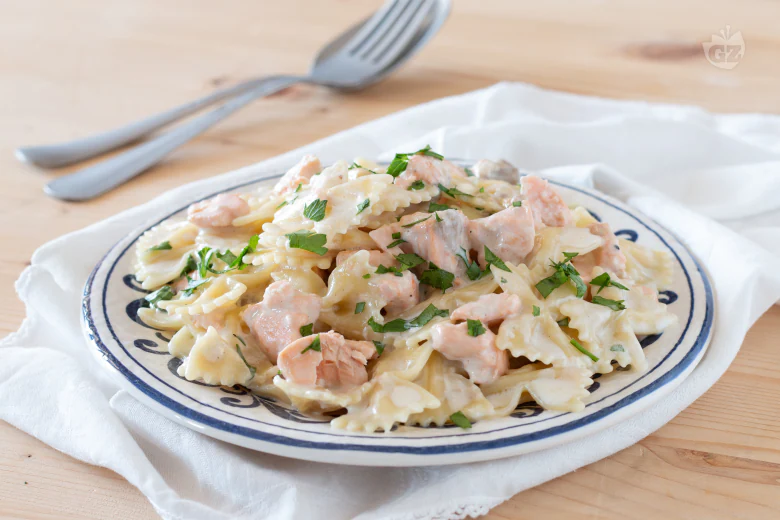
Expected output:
(421, 293)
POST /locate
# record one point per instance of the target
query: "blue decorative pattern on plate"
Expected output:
(139, 354)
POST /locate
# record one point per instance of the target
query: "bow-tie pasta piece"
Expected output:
(215, 361)
(554, 241)
(162, 253)
(561, 389)
(456, 393)
(539, 338)
(390, 400)
(648, 266)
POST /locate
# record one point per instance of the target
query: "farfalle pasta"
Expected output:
(420, 293)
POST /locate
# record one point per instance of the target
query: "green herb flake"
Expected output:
(380, 347)
(603, 281)
(190, 266)
(475, 328)
(615, 305)
(503, 280)
(367, 276)
(416, 222)
(473, 270)
(363, 205)
(617, 348)
(307, 330)
(433, 207)
(252, 370)
(517, 203)
(468, 171)
(397, 325)
(482, 189)
(536, 311)
(162, 246)
(396, 243)
(564, 271)
(299, 188)
(316, 210)
(228, 257)
(417, 185)
(582, 349)
(283, 204)
(492, 259)
(308, 240)
(163, 293)
(315, 345)
(192, 285)
(409, 260)
(564, 322)
(204, 261)
(428, 314)
(437, 278)
(453, 192)
(360, 307)
(438, 218)
(458, 419)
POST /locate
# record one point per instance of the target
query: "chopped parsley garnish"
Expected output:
(458, 419)
(401, 160)
(308, 240)
(239, 338)
(564, 271)
(190, 266)
(283, 204)
(564, 322)
(252, 370)
(400, 325)
(228, 257)
(437, 278)
(428, 314)
(503, 280)
(615, 305)
(472, 268)
(603, 281)
(517, 203)
(582, 349)
(438, 218)
(536, 311)
(316, 210)
(163, 293)
(433, 207)
(453, 192)
(409, 260)
(416, 222)
(482, 189)
(380, 347)
(356, 165)
(397, 242)
(360, 307)
(417, 185)
(468, 172)
(192, 285)
(315, 345)
(383, 269)
(367, 276)
(233, 262)
(617, 348)
(478, 208)
(491, 258)
(475, 328)
(204, 261)
(299, 187)
(307, 330)
(363, 205)
(162, 246)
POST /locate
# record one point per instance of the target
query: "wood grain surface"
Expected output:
(69, 69)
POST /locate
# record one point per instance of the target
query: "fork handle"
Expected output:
(96, 180)
(63, 154)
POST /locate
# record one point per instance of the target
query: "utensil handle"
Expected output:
(63, 154)
(96, 180)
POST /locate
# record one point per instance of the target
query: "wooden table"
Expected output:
(73, 68)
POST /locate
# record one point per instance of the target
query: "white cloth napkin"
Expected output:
(713, 180)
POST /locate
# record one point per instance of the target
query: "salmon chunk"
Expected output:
(483, 361)
(400, 292)
(548, 207)
(489, 308)
(509, 234)
(383, 236)
(431, 171)
(340, 364)
(217, 212)
(609, 256)
(276, 321)
(438, 242)
(496, 171)
(304, 170)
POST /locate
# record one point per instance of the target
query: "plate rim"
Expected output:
(477, 450)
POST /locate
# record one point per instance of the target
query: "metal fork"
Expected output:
(359, 57)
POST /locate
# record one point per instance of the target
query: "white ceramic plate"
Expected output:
(138, 355)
